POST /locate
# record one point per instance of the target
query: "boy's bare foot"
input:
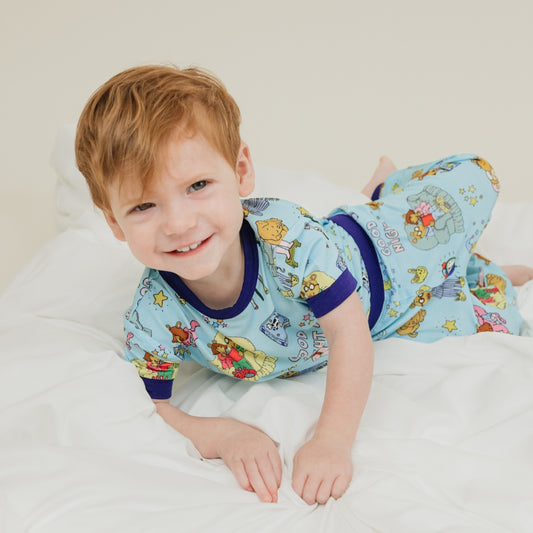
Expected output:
(518, 274)
(384, 168)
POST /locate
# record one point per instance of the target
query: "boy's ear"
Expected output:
(245, 171)
(113, 224)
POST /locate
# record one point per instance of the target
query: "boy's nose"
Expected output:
(178, 220)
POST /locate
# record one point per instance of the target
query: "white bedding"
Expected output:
(445, 444)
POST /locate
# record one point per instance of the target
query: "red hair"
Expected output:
(127, 123)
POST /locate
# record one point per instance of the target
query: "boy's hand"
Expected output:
(252, 456)
(322, 468)
(249, 453)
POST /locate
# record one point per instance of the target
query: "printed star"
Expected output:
(392, 312)
(161, 353)
(159, 298)
(462, 191)
(472, 188)
(450, 325)
(473, 200)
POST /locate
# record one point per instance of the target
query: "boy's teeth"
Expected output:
(189, 248)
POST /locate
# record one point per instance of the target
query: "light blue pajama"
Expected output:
(408, 255)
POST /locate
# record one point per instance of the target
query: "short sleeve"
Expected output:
(153, 367)
(149, 337)
(305, 254)
(325, 281)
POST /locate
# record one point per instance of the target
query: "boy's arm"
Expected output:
(249, 453)
(323, 466)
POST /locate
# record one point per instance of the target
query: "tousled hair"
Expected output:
(128, 121)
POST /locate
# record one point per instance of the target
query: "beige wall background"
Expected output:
(327, 86)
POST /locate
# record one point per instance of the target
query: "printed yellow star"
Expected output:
(472, 188)
(462, 191)
(392, 312)
(159, 298)
(450, 325)
(473, 200)
(387, 285)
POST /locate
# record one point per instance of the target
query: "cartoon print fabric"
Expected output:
(436, 284)
(424, 225)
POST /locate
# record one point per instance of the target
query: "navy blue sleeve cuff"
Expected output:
(158, 389)
(330, 298)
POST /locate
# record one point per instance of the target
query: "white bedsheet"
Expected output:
(445, 444)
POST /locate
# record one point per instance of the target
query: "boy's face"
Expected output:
(188, 219)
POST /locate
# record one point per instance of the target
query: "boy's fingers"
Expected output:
(275, 460)
(305, 485)
(258, 482)
(339, 486)
(315, 488)
(310, 490)
(298, 482)
(271, 477)
(241, 476)
(324, 491)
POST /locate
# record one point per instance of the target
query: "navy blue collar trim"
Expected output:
(371, 261)
(251, 271)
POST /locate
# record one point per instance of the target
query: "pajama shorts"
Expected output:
(424, 222)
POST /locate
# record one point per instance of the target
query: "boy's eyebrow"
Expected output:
(132, 193)
(127, 200)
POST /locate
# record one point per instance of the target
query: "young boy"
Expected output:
(260, 288)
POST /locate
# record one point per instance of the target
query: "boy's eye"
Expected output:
(199, 185)
(143, 207)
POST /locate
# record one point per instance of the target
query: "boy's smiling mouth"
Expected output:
(190, 248)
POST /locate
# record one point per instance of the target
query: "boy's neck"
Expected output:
(217, 294)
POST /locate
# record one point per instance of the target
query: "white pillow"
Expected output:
(72, 196)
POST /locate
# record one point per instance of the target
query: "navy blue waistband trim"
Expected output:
(377, 192)
(370, 259)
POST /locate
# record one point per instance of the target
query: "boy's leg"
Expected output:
(493, 297)
(483, 301)
(415, 177)
(438, 211)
